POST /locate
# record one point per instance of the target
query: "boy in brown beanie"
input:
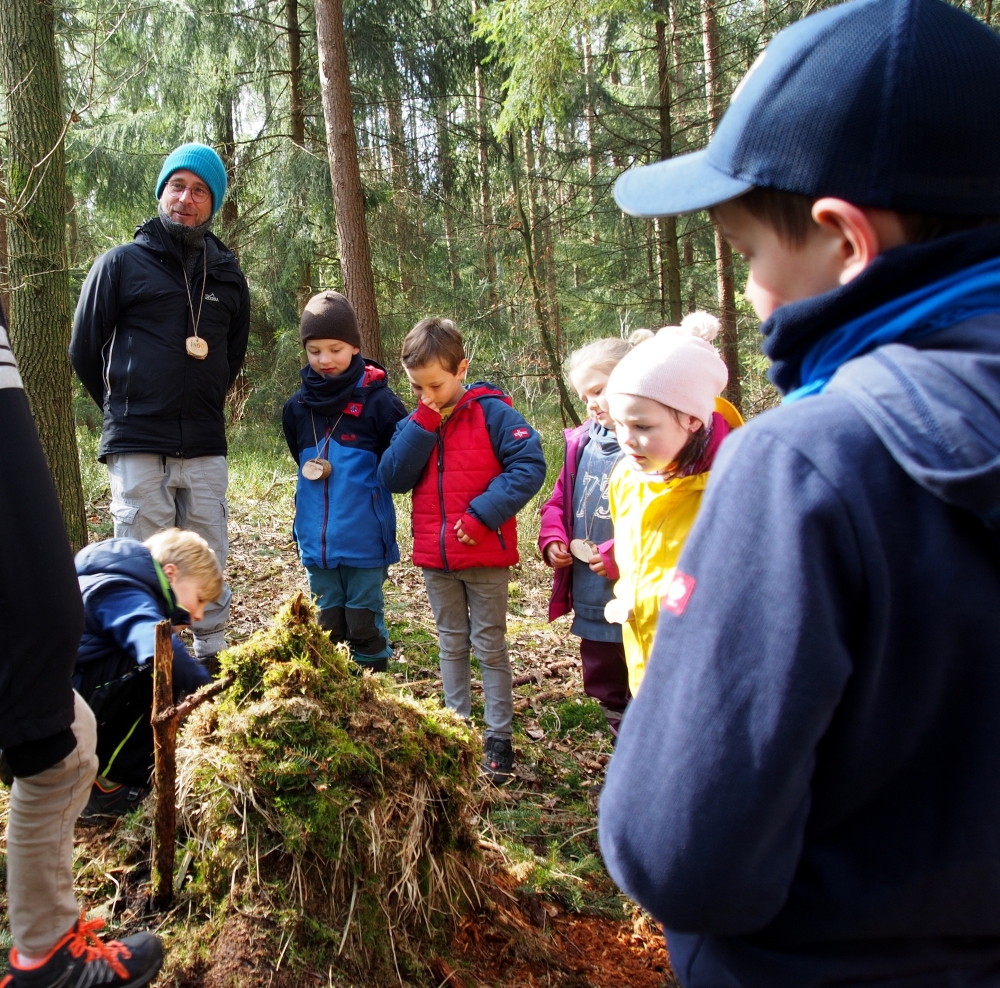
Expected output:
(337, 426)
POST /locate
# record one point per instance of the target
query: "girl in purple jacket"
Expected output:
(577, 535)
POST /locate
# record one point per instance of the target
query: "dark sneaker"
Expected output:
(82, 960)
(498, 759)
(108, 799)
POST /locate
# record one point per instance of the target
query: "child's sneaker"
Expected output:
(109, 799)
(82, 960)
(498, 759)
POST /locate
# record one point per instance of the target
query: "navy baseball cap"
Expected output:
(885, 103)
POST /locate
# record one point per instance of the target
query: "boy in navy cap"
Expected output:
(805, 791)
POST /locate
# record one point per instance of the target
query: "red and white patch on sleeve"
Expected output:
(521, 432)
(678, 593)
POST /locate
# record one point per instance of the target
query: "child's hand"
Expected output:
(597, 565)
(462, 537)
(557, 555)
(430, 403)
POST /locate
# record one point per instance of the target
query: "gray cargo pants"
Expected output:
(470, 611)
(150, 493)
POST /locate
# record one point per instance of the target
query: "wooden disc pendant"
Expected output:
(197, 347)
(617, 611)
(316, 469)
(583, 549)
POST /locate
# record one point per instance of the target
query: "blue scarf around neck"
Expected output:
(970, 292)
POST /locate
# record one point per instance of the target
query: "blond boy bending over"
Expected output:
(128, 587)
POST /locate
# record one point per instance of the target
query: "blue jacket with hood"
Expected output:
(806, 790)
(125, 595)
(348, 517)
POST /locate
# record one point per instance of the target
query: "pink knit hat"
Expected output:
(678, 367)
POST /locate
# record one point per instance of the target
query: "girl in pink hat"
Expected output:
(662, 398)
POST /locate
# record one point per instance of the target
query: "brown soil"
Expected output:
(579, 952)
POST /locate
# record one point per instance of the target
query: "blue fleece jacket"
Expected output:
(348, 517)
(124, 598)
(805, 791)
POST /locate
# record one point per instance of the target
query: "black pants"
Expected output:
(122, 701)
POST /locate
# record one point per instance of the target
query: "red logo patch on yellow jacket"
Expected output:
(678, 593)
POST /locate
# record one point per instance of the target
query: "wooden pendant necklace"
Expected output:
(319, 467)
(195, 345)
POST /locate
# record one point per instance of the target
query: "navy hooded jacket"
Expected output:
(125, 596)
(806, 790)
(348, 517)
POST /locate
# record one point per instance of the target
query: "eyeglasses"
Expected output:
(198, 193)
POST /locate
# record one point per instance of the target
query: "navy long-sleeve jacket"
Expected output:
(124, 599)
(806, 790)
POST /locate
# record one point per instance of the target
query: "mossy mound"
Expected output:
(330, 802)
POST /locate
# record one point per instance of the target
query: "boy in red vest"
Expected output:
(472, 463)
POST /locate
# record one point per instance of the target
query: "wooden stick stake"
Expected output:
(165, 770)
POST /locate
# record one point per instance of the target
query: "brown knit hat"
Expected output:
(329, 316)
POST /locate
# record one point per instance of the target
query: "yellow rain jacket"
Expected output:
(652, 520)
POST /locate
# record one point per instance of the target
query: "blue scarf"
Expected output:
(970, 292)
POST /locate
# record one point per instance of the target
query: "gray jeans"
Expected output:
(470, 610)
(43, 811)
(150, 493)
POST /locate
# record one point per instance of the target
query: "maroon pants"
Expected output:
(605, 677)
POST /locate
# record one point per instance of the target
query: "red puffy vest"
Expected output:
(460, 469)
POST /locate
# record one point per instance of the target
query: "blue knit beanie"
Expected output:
(204, 162)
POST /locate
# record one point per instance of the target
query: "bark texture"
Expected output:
(40, 305)
(353, 246)
(485, 199)
(165, 768)
(670, 269)
(295, 71)
(723, 252)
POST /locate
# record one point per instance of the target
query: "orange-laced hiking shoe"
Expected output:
(81, 959)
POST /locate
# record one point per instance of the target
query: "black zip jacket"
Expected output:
(41, 614)
(128, 345)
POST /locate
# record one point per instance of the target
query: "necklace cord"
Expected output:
(204, 285)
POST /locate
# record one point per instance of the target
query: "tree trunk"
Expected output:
(485, 203)
(4, 270)
(399, 173)
(295, 72)
(40, 307)
(353, 247)
(230, 212)
(446, 172)
(670, 269)
(591, 127)
(723, 252)
(548, 243)
(541, 316)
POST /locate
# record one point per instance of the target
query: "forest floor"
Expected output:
(544, 819)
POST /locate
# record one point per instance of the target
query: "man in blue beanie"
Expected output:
(805, 790)
(159, 337)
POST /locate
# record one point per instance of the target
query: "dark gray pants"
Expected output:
(470, 610)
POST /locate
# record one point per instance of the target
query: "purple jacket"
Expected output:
(557, 523)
